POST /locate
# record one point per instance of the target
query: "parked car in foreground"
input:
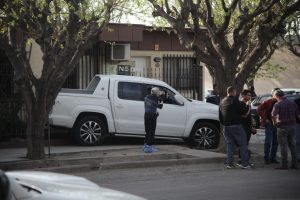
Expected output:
(37, 185)
(290, 93)
(114, 105)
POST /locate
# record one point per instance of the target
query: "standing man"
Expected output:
(271, 144)
(214, 98)
(230, 116)
(284, 116)
(247, 119)
(151, 104)
(297, 101)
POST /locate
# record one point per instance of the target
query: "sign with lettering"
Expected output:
(123, 69)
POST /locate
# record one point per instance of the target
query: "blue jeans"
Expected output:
(271, 144)
(298, 141)
(236, 136)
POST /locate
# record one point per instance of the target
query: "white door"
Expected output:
(141, 64)
(172, 117)
(129, 111)
(129, 107)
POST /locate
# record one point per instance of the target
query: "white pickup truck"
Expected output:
(114, 105)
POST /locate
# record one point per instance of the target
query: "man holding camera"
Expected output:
(151, 103)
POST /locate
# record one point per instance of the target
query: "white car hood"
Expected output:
(61, 186)
(205, 106)
(202, 103)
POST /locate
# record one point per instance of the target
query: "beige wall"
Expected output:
(153, 54)
(290, 78)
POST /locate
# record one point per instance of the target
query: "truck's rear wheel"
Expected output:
(204, 135)
(89, 131)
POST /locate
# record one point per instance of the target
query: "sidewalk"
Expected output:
(71, 158)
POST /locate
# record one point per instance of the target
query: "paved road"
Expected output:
(206, 181)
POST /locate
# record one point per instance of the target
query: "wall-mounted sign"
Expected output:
(123, 69)
(156, 47)
(157, 59)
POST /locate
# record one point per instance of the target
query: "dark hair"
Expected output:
(245, 92)
(230, 89)
(279, 93)
(274, 90)
(215, 85)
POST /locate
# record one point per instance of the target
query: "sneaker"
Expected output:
(251, 164)
(147, 149)
(244, 166)
(274, 161)
(154, 149)
(282, 168)
(267, 162)
(294, 167)
(230, 166)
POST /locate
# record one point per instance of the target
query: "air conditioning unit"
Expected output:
(120, 52)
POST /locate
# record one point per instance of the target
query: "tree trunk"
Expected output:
(35, 136)
(37, 119)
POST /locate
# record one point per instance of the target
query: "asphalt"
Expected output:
(70, 158)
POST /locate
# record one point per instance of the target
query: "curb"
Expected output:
(63, 164)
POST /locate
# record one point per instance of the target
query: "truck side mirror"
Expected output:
(179, 99)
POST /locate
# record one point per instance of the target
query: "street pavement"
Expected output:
(70, 158)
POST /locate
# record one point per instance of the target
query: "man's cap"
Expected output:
(279, 93)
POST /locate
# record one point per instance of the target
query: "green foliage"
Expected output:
(270, 71)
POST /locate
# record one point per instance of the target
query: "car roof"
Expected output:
(134, 78)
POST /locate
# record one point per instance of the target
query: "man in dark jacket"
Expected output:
(214, 98)
(151, 103)
(230, 116)
(297, 101)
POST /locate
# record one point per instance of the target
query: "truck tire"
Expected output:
(90, 131)
(204, 135)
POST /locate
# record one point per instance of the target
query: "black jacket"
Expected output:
(231, 111)
(297, 101)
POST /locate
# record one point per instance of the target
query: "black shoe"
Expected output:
(282, 168)
(293, 167)
(267, 162)
(274, 161)
(230, 166)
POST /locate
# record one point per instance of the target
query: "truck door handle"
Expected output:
(119, 106)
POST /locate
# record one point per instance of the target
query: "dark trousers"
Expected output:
(150, 126)
(286, 138)
(235, 136)
(248, 131)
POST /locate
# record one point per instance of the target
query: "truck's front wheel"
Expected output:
(204, 135)
(89, 130)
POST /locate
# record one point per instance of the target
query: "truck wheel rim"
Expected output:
(205, 137)
(90, 132)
